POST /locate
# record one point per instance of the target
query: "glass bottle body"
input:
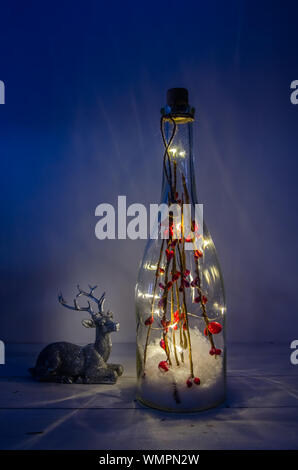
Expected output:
(180, 301)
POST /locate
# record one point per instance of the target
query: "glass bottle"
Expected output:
(180, 300)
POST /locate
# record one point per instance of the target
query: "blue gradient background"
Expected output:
(84, 85)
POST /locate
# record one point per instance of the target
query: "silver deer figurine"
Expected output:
(69, 363)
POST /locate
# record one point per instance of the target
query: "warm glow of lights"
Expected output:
(147, 296)
(150, 267)
(219, 307)
(207, 276)
(175, 152)
(206, 242)
(214, 272)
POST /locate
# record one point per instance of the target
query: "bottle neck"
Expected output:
(178, 169)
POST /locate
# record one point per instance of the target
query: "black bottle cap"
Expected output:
(177, 97)
(177, 106)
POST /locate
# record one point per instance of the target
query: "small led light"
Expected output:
(147, 296)
(150, 267)
(206, 242)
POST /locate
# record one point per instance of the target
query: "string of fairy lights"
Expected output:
(176, 279)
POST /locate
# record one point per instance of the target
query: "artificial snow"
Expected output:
(157, 387)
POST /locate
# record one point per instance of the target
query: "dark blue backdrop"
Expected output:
(84, 85)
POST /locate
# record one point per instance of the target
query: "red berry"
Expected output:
(189, 383)
(198, 254)
(161, 270)
(165, 324)
(162, 344)
(175, 277)
(212, 351)
(217, 352)
(180, 289)
(169, 254)
(176, 315)
(163, 365)
(186, 272)
(198, 299)
(194, 226)
(214, 327)
(161, 285)
(169, 284)
(149, 321)
(197, 380)
(204, 299)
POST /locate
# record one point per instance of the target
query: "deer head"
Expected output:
(99, 319)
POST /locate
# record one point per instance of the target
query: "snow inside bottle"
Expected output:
(180, 302)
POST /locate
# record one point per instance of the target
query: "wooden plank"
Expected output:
(26, 393)
(242, 392)
(220, 428)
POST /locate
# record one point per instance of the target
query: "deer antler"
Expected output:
(99, 302)
(76, 305)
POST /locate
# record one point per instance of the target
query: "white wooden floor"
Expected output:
(261, 411)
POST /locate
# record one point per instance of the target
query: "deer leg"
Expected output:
(117, 368)
(65, 379)
(103, 375)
